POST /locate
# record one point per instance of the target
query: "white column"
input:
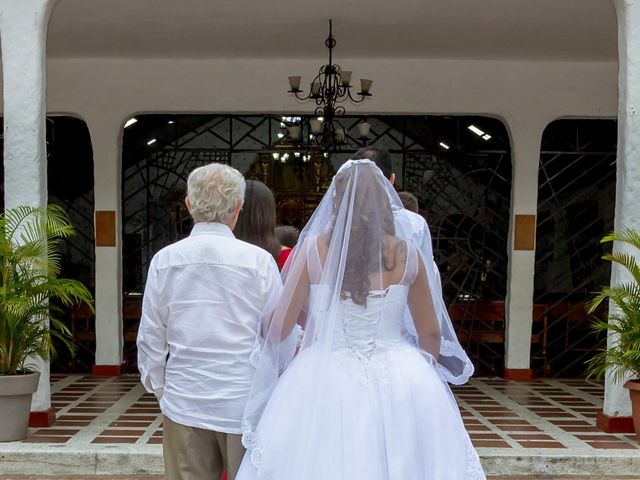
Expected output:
(106, 133)
(616, 398)
(526, 136)
(23, 31)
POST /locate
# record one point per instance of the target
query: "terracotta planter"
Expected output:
(634, 393)
(15, 405)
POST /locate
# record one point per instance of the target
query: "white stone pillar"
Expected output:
(526, 136)
(23, 32)
(106, 134)
(616, 399)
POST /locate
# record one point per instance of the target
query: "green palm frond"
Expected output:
(29, 279)
(627, 260)
(622, 326)
(12, 221)
(628, 235)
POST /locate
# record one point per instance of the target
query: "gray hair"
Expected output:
(214, 191)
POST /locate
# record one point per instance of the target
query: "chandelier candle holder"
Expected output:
(331, 87)
(363, 129)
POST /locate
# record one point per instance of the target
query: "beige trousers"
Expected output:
(192, 453)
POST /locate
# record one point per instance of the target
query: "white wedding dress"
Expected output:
(379, 411)
(361, 399)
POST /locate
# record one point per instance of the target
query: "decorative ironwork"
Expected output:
(153, 204)
(69, 149)
(330, 87)
(576, 199)
(154, 181)
(464, 191)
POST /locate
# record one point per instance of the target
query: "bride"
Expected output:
(361, 392)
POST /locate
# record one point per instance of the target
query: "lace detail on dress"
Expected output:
(256, 353)
(358, 368)
(251, 443)
(452, 349)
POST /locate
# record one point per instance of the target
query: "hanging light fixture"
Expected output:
(330, 87)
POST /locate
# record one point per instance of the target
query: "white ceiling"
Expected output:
(580, 30)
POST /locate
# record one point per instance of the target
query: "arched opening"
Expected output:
(459, 168)
(70, 184)
(576, 206)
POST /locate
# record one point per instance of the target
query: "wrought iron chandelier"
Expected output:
(331, 87)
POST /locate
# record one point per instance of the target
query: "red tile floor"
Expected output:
(111, 426)
(500, 415)
(545, 414)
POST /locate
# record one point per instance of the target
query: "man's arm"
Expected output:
(152, 338)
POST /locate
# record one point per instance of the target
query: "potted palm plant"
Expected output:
(30, 293)
(622, 358)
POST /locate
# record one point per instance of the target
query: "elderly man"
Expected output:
(202, 306)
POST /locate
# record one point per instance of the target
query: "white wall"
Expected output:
(120, 87)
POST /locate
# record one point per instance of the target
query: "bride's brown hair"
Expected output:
(371, 223)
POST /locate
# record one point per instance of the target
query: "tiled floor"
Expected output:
(545, 414)
(111, 426)
(101, 411)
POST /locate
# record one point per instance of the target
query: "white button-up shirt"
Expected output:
(202, 304)
(421, 235)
